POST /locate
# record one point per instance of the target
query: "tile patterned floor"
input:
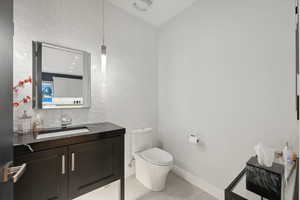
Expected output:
(176, 189)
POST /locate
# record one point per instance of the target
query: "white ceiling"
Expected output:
(160, 12)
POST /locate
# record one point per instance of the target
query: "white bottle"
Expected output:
(286, 161)
(38, 123)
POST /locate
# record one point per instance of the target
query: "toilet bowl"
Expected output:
(152, 168)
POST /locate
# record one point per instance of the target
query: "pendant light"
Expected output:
(103, 47)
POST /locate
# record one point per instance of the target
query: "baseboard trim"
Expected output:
(198, 182)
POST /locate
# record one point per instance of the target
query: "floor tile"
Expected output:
(176, 189)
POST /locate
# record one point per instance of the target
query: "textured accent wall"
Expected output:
(129, 98)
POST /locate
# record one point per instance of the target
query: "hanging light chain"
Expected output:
(103, 21)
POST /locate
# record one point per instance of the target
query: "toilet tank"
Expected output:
(142, 139)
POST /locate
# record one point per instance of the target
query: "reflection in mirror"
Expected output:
(61, 76)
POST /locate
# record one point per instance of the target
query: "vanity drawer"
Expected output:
(62, 142)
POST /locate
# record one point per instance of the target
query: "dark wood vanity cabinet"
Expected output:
(45, 178)
(66, 168)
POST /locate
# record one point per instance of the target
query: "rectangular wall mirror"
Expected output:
(61, 77)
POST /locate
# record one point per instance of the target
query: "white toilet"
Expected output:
(152, 164)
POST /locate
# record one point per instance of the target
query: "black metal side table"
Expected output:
(237, 188)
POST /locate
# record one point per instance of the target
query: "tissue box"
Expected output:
(265, 181)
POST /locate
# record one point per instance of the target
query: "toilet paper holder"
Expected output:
(193, 139)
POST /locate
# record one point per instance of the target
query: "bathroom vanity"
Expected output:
(65, 167)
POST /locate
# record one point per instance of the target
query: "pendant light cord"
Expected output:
(103, 27)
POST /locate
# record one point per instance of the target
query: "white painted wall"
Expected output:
(130, 96)
(227, 73)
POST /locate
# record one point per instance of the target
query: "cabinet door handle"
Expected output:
(63, 164)
(29, 147)
(73, 162)
(13, 173)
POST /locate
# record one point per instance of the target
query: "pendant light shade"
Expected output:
(103, 59)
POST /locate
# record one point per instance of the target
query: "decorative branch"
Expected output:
(21, 84)
(24, 100)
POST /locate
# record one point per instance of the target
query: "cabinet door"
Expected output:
(94, 164)
(45, 177)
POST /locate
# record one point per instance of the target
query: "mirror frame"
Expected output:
(37, 76)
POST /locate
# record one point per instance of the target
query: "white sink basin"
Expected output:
(58, 133)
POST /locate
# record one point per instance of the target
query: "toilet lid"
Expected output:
(157, 156)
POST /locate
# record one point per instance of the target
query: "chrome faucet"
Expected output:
(65, 120)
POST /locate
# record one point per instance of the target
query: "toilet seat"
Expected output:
(157, 157)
